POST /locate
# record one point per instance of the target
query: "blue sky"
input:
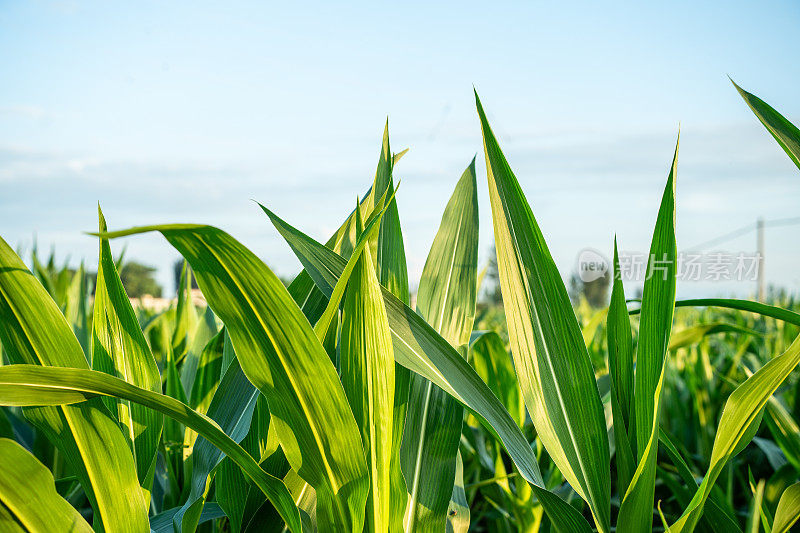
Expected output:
(186, 112)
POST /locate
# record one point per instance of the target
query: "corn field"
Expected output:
(331, 405)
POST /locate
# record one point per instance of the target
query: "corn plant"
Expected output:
(331, 405)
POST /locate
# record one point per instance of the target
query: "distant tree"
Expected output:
(138, 280)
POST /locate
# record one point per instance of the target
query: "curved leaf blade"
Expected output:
(737, 425)
(280, 354)
(232, 409)
(784, 132)
(26, 385)
(788, 510)
(446, 299)
(33, 330)
(655, 326)
(620, 365)
(419, 348)
(120, 349)
(28, 492)
(552, 363)
(368, 379)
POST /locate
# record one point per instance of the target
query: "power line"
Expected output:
(781, 222)
(778, 222)
(723, 238)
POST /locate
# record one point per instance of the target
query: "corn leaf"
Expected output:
(174, 433)
(788, 509)
(280, 354)
(756, 508)
(419, 348)
(33, 331)
(231, 487)
(762, 309)
(694, 334)
(208, 374)
(737, 426)
(494, 365)
(25, 385)
(620, 365)
(550, 357)
(28, 493)
(655, 325)
(206, 329)
(786, 133)
(784, 430)
(120, 349)
(185, 316)
(232, 409)
(75, 309)
(458, 514)
(368, 378)
(715, 513)
(446, 300)
(162, 522)
(393, 275)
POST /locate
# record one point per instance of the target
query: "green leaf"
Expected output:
(162, 522)
(33, 330)
(280, 354)
(446, 300)
(232, 409)
(206, 329)
(786, 133)
(756, 510)
(231, 487)
(636, 511)
(391, 257)
(185, 316)
(75, 309)
(28, 492)
(205, 366)
(715, 514)
(694, 334)
(174, 432)
(784, 430)
(788, 510)
(419, 348)
(368, 380)
(620, 365)
(655, 325)
(494, 365)
(550, 357)
(25, 385)
(366, 234)
(209, 373)
(303, 289)
(740, 417)
(120, 349)
(771, 311)
(393, 274)
(458, 511)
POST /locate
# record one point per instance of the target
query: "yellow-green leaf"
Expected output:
(446, 300)
(552, 363)
(28, 493)
(120, 349)
(33, 330)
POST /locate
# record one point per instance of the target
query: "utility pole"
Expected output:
(760, 246)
